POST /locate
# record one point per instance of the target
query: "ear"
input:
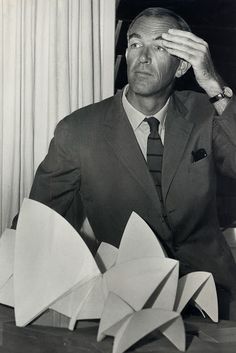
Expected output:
(182, 68)
(126, 52)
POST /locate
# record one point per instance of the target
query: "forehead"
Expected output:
(152, 26)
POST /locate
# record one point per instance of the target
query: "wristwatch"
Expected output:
(225, 93)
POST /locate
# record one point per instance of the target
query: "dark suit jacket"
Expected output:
(95, 168)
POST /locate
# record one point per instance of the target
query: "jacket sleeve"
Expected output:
(57, 179)
(224, 140)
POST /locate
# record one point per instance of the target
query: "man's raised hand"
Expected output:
(195, 51)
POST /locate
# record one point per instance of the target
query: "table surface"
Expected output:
(203, 336)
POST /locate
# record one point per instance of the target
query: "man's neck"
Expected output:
(147, 105)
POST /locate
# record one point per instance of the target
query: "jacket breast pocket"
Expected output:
(201, 163)
(202, 177)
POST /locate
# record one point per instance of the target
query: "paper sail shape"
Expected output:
(85, 301)
(129, 327)
(175, 332)
(7, 293)
(135, 284)
(113, 315)
(206, 299)
(141, 275)
(143, 322)
(106, 256)
(135, 281)
(164, 296)
(199, 286)
(50, 259)
(138, 241)
(7, 246)
(91, 306)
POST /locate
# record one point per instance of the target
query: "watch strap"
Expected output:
(226, 93)
(218, 97)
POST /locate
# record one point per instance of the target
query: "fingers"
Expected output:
(185, 45)
(185, 34)
(181, 54)
(194, 50)
(183, 42)
(183, 51)
(179, 46)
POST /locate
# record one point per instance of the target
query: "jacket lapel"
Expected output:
(120, 136)
(177, 133)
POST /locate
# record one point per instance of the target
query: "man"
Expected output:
(97, 170)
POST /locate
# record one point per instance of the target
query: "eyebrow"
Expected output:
(136, 35)
(157, 38)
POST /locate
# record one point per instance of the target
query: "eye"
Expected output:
(158, 48)
(135, 45)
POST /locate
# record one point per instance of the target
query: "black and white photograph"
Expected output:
(117, 176)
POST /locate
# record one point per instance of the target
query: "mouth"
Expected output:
(143, 73)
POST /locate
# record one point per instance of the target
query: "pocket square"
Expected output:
(199, 154)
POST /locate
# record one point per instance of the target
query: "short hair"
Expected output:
(160, 12)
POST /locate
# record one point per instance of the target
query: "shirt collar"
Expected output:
(136, 117)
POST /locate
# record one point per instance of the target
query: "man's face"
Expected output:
(150, 67)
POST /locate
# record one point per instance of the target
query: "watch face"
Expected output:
(228, 92)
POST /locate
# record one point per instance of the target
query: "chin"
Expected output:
(144, 90)
(144, 87)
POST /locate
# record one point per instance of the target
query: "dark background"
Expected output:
(215, 22)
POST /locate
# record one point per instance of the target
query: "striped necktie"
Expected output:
(155, 153)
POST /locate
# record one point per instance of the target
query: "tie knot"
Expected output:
(153, 124)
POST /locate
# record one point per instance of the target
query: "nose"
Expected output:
(145, 57)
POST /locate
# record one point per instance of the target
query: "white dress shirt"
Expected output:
(141, 127)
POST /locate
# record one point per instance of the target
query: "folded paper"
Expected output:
(50, 259)
(7, 246)
(133, 290)
(200, 287)
(129, 326)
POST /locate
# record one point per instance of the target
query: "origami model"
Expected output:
(7, 242)
(132, 290)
